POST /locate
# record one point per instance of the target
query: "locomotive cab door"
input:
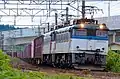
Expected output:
(53, 43)
(52, 47)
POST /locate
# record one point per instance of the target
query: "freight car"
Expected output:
(84, 43)
(33, 51)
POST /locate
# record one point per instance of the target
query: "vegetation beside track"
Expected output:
(7, 72)
(113, 61)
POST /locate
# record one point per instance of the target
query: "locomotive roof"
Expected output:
(64, 29)
(59, 30)
(48, 33)
(87, 26)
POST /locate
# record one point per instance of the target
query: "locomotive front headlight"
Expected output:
(101, 26)
(81, 25)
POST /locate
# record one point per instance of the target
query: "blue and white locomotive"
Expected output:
(85, 42)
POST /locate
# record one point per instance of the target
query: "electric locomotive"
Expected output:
(84, 43)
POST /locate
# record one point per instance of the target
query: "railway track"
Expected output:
(77, 68)
(83, 73)
(78, 72)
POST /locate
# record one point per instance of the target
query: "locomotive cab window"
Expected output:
(79, 32)
(102, 33)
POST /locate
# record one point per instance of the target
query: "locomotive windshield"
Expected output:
(89, 32)
(79, 32)
(101, 33)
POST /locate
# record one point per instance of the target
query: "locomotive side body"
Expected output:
(46, 46)
(61, 41)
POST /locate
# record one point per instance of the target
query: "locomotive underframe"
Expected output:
(68, 60)
(71, 59)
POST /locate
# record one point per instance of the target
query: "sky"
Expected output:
(114, 10)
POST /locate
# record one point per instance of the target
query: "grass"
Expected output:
(7, 72)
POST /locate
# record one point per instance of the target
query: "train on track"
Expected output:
(83, 43)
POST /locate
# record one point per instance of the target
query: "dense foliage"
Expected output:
(113, 61)
(7, 72)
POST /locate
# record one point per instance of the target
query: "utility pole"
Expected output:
(108, 13)
(83, 9)
(48, 27)
(91, 10)
(56, 16)
(39, 33)
(108, 9)
(67, 14)
(78, 8)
